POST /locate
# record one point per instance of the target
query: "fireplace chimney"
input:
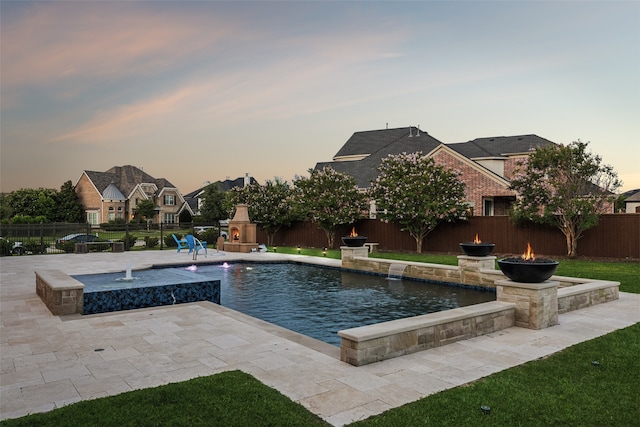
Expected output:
(247, 180)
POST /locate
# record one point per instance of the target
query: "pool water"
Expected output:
(319, 302)
(314, 301)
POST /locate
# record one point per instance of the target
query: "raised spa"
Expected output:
(312, 300)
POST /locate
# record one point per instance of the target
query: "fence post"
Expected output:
(161, 235)
(126, 237)
(42, 237)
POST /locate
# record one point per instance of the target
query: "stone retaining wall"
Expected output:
(61, 293)
(373, 343)
(587, 294)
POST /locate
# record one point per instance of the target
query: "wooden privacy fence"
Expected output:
(616, 236)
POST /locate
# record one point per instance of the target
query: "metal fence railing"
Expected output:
(55, 238)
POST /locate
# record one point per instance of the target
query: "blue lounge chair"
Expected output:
(182, 243)
(196, 245)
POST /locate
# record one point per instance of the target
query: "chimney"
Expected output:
(247, 181)
(418, 130)
(410, 135)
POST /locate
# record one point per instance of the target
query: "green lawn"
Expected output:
(564, 389)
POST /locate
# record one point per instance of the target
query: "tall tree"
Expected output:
(145, 209)
(329, 198)
(33, 203)
(68, 207)
(212, 209)
(566, 186)
(418, 194)
(270, 205)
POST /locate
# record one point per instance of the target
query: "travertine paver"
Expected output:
(49, 361)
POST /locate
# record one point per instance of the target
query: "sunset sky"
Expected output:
(201, 91)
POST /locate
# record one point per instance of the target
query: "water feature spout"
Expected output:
(396, 271)
(128, 277)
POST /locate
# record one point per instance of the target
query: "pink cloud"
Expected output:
(69, 39)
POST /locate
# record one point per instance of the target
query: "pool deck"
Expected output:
(49, 361)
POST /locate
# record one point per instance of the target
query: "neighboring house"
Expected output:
(632, 201)
(486, 164)
(114, 195)
(194, 198)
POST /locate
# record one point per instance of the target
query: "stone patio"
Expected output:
(49, 361)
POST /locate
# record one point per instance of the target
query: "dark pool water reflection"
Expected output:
(319, 302)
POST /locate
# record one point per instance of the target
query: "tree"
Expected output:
(145, 209)
(565, 186)
(212, 209)
(270, 205)
(33, 203)
(418, 194)
(329, 198)
(68, 207)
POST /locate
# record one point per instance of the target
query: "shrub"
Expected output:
(5, 247)
(130, 241)
(34, 247)
(169, 242)
(151, 242)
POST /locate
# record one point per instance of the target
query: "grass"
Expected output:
(231, 398)
(564, 389)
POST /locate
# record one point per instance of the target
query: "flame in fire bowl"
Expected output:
(528, 268)
(353, 240)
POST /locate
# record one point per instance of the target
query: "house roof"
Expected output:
(370, 147)
(112, 193)
(499, 146)
(125, 178)
(361, 155)
(407, 139)
(224, 186)
(634, 197)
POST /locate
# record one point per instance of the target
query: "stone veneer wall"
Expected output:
(373, 343)
(586, 295)
(472, 271)
(61, 293)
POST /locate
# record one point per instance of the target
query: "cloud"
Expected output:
(54, 41)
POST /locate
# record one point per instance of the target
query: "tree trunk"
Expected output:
(330, 237)
(572, 241)
(418, 244)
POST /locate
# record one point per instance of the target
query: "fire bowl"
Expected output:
(354, 242)
(528, 271)
(477, 249)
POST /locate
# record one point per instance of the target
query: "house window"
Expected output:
(488, 207)
(92, 217)
(169, 218)
(169, 200)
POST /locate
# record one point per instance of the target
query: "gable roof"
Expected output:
(634, 196)
(224, 186)
(407, 139)
(361, 156)
(125, 179)
(499, 146)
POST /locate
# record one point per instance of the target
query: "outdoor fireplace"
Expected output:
(528, 268)
(242, 232)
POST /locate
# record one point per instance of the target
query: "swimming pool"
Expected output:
(319, 302)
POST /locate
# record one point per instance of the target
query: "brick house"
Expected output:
(486, 164)
(114, 195)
